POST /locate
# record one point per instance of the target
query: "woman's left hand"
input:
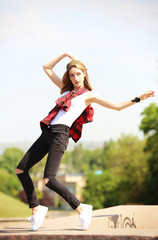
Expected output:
(147, 95)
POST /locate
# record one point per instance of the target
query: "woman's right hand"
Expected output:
(71, 56)
(48, 68)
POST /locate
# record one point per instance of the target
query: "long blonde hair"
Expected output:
(67, 84)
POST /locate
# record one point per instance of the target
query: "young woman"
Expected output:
(65, 120)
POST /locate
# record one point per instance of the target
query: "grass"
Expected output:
(12, 207)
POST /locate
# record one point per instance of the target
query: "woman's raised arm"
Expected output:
(94, 98)
(51, 64)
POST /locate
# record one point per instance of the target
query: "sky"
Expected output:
(116, 40)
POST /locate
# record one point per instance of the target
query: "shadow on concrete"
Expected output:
(15, 230)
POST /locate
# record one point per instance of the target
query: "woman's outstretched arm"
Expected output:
(94, 98)
(51, 64)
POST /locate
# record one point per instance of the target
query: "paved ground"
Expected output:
(66, 228)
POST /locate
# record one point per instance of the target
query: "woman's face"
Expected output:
(76, 76)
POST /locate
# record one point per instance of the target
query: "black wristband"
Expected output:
(136, 100)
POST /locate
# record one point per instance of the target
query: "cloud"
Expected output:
(27, 22)
(128, 13)
(58, 19)
(34, 25)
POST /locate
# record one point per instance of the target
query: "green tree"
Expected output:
(100, 190)
(149, 125)
(124, 166)
(8, 162)
(10, 159)
(9, 183)
(126, 159)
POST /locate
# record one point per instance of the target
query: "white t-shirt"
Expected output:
(77, 107)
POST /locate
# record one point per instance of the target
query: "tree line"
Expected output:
(122, 171)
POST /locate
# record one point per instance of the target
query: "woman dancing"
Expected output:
(65, 120)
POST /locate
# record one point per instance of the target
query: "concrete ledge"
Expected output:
(77, 237)
(66, 228)
(127, 216)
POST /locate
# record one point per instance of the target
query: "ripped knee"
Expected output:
(45, 180)
(18, 171)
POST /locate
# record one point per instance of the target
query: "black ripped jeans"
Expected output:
(53, 140)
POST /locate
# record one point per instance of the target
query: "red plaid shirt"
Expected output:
(64, 103)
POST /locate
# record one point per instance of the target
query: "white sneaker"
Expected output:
(86, 216)
(38, 218)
